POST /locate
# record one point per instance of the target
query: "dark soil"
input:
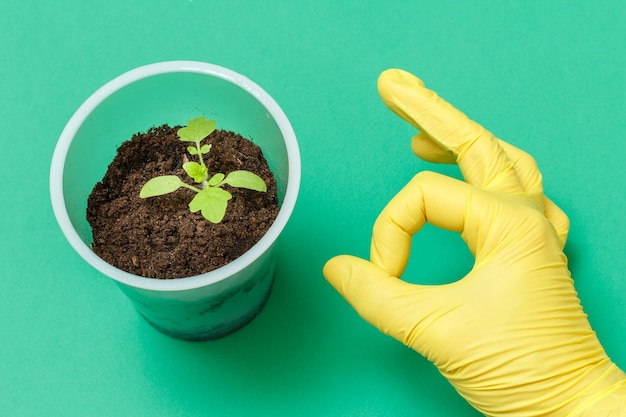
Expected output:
(159, 237)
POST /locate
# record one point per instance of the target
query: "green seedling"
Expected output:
(210, 199)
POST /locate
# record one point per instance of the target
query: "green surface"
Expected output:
(547, 76)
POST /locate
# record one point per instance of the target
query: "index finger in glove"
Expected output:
(477, 152)
(428, 197)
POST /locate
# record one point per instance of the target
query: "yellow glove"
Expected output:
(511, 336)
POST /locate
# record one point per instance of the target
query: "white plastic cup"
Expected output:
(216, 303)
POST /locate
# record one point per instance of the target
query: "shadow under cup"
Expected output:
(219, 302)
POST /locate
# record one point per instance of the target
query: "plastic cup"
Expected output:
(205, 306)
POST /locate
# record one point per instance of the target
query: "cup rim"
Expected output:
(129, 77)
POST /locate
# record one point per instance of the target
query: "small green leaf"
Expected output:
(192, 150)
(205, 149)
(196, 129)
(211, 202)
(246, 179)
(216, 179)
(196, 171)
(160, 185)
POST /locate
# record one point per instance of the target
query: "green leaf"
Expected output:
(192, 150)
(211, 202)
(216, 179)
(196, 171)
(196, 129)
(205, 149)
(246, 179)
(160, 185)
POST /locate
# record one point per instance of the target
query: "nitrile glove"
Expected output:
(511, 336)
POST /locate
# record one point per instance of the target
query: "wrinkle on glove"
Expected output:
(511, 336)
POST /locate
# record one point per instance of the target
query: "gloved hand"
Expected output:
(511, 336)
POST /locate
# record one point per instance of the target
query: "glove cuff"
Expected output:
(605, 397)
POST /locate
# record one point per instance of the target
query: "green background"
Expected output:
(548, 76)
